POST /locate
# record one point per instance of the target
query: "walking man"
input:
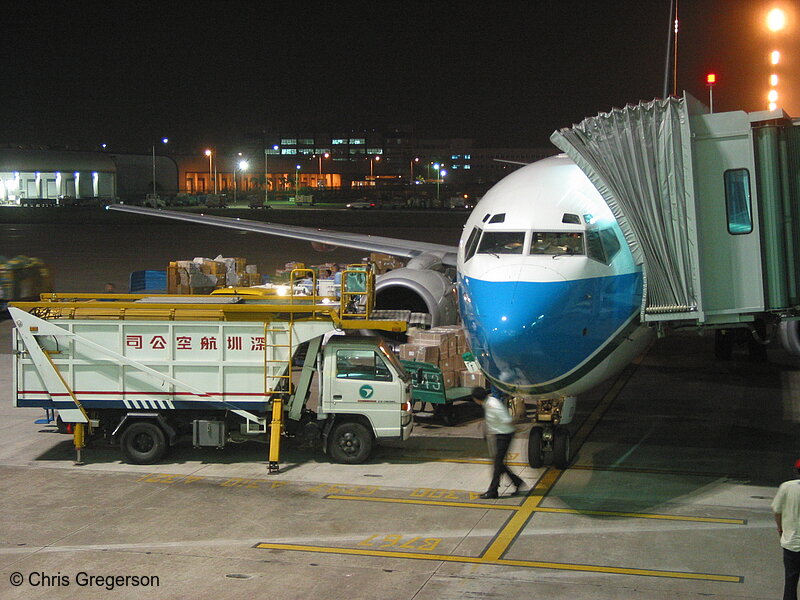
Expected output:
(499, 427)
(786, 507)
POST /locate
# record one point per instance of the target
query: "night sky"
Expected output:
(505, 73)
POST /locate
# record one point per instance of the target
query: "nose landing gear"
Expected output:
(549, 440)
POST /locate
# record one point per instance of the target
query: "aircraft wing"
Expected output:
(371, 243)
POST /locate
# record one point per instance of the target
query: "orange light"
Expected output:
(776, 19)
(711, 79)
(775, 57)
(772, 96)
(773, 80)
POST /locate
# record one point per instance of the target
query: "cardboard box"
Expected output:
(471, 380)
(451, 379)
(452, 363)
(420, 353)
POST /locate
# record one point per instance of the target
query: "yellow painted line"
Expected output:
(510, 531)
(535, 509)
(613, 468)
(426, 502)
(606, 513)
(505, 562)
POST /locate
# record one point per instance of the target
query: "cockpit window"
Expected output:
(502, 242)
(603, 245)
(547, 242)
(472, 243)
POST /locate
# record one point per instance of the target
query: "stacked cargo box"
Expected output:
(385, 262)
(204, 275)
(443, 346)
(23, 278)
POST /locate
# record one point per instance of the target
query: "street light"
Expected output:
(437, 167)
(208, 153)
(266, 175)
(371, 161)
(243, 164)
(163, 141)
(296, 173)
(321, 156)
(415, 160)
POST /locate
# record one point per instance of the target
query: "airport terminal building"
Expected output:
(286, 162)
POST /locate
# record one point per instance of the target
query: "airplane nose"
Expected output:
(532, 330)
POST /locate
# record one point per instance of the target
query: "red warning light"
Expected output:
(711, 79)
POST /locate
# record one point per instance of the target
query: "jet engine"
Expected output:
(424, 290)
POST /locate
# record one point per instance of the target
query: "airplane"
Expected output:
(548, 290)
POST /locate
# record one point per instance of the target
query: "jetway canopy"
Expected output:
(637, 158)
(706, 203)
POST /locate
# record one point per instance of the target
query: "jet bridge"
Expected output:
(708, 204)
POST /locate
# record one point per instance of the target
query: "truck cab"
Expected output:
(365, 394)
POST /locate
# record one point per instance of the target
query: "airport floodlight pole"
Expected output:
(711, 81)
(266, 174)
(163, 141)
(208, 153)
(371, 172)
(776, 21)
(243, 165)
(437, 167)
(321, 156)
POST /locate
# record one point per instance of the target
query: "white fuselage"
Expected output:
(549, 292)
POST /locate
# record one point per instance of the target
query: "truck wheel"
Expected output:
(350, 443)
(143, 443)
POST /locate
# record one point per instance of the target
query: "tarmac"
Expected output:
(676, 463)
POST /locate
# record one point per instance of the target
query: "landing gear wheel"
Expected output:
(561, 448)
(143, 443)
(350, 443)
(535, 450)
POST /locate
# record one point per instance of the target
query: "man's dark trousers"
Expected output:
(791, 565)
(503, 441)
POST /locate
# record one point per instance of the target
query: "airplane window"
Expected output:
(602, 245)
(498, 218)
(594, 247)
(610, 243)
(570, 218)
(549, 242)
(472, 244)
(502, 242)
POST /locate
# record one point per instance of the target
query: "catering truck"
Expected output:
(144, 371)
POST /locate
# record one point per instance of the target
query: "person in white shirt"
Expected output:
(786, 507)
(499, 425)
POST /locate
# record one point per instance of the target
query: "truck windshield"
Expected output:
(556, 242)
(392, 358)
(361, 364)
